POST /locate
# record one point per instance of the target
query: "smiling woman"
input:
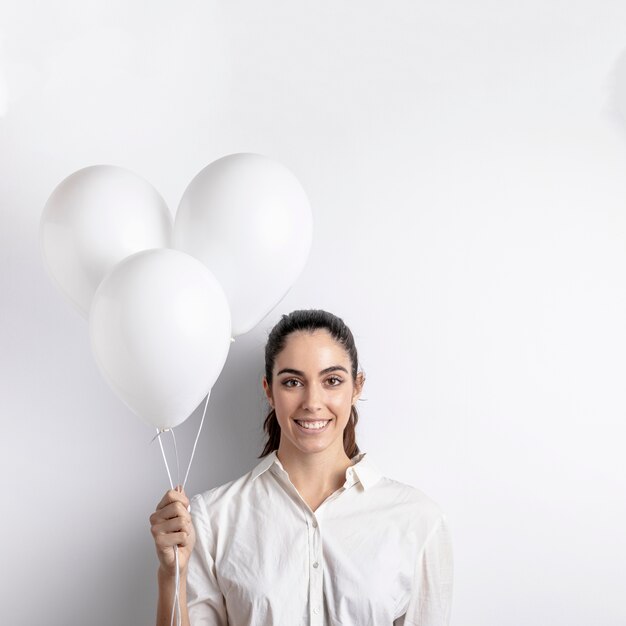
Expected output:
(314, 390)
(315, 533)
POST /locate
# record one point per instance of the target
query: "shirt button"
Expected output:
(316, 611)
(316, 564)
(314, 524)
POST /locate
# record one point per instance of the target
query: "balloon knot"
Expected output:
(161, 431)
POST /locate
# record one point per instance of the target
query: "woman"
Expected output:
(314, 534)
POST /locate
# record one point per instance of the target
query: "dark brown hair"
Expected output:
(309, 320)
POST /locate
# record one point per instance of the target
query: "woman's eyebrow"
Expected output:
(332, 368)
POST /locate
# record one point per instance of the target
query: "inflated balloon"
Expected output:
(248, 219)
(160, 332)
(95, 218)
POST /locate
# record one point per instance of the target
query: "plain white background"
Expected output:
(466, 165)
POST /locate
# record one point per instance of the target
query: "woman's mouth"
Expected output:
(311, 427)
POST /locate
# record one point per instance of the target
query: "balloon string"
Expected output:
(195, 443)
(167, 467)
(176, 605)
(176, 454)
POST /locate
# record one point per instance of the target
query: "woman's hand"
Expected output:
(171, 526)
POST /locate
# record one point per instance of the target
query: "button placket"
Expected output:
(315, 574)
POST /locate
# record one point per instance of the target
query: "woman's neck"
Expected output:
(315, 475)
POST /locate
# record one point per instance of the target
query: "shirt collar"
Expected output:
(265, 463)
(364, 468)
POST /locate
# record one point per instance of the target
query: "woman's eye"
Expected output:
(334, 381)
(291, 380)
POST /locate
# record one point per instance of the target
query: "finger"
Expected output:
(171, 511)
(169, 540)
(177, 524)
(171, 495)
(174, 509)
(181, 489)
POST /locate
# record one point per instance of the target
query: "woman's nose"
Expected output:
(312, 398)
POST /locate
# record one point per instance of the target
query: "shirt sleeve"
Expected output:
(431, 594)
(205, 603)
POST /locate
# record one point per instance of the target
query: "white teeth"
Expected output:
(312, 425)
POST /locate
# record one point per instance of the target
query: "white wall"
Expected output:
(465, 162)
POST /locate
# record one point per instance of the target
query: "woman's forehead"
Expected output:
(313, 347)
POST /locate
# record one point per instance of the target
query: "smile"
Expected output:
(312, 427)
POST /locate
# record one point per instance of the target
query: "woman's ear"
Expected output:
(358, 387)
(268, 392)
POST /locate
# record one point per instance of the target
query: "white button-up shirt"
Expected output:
(377, 552)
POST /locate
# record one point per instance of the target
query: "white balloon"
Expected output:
(94, 218)
(248, 219)
(160, 332)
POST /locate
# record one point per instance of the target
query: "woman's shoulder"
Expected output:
(397, 505)
(405, 493)
(408, 508)
(392, 489)
(400, 495)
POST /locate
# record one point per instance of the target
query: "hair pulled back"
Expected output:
(309, 320)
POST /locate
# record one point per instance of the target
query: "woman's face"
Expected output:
(312, 391)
